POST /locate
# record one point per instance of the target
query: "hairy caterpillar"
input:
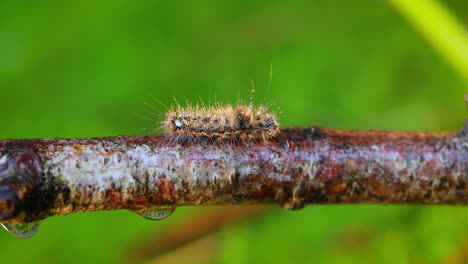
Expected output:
(220, 123)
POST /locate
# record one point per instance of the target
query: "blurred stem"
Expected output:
(440, 27)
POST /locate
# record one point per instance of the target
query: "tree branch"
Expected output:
(45, 177)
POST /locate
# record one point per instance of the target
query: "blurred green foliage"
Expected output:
(85, 68)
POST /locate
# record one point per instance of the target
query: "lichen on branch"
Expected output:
(45, 177)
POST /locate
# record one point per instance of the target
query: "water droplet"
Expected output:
(253, 90)
(157, 215)
(24, 230)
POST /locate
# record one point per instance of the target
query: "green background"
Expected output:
(86, 69)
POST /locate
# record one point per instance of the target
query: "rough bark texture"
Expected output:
(46, 177)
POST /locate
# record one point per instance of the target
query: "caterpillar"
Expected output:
(220, 123)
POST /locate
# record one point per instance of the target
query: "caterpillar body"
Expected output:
(220, 123)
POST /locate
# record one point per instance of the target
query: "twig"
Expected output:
(45, 177)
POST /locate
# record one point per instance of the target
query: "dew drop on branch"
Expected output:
(24, 230)
(157, 215)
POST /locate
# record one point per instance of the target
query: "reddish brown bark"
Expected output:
(45, 177)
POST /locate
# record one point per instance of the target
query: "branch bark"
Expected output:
(45, 177)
